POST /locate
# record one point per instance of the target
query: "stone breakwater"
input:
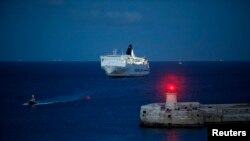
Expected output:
(192, 114)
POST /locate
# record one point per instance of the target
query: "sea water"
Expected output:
(77, 101)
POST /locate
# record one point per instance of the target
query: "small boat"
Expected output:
(32, 101)
(180, 62)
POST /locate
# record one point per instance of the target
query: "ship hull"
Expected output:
(128, 70)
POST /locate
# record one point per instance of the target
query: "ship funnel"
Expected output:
(130, 51)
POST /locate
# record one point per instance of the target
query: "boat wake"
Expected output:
(61, 99)
(85, 96)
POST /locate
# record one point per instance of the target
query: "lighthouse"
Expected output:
(171, 99)
(191, 114)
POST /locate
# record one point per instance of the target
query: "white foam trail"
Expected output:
(82, 96)
(61, 99)
(41, 103)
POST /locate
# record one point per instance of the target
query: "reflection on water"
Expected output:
(172, 135)
(175, 134)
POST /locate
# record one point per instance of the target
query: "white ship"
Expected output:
(125, 65)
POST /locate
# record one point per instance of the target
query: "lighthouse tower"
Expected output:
(171, 100)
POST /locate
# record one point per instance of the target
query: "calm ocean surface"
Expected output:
(79, 102)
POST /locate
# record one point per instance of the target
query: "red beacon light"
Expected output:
(171, 88)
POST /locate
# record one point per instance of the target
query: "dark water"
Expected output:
(81, 103)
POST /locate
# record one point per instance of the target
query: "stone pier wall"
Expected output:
(192, 114)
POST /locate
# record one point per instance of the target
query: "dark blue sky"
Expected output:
(167, 30)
